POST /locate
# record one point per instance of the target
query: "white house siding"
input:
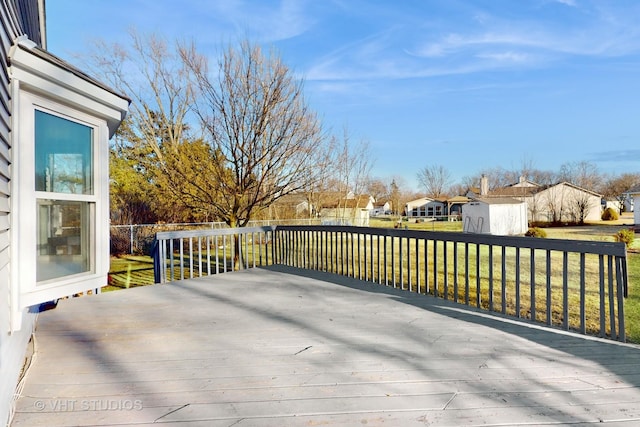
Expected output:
(635, 196)
(561, 203)
(17, 17)
(425, 207)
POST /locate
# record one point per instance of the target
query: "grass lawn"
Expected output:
(129, 271)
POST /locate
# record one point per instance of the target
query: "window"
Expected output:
(63, 167)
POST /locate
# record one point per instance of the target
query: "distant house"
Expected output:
(425, 207)
(561, 202)
(380, 208)
(454, 206)
(495, 215)
(634, 193)
(629, 201)
(353, 211)
(291, 206)
(55, 125)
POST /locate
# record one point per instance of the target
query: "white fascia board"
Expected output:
(41, 76)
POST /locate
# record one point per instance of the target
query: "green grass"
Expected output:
(412, 225)
(632, 303)
(130, 271)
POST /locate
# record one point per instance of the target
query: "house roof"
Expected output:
(458, 199)
(37, 68)
(511, 191)
(634, 190)
(357, 202)
(61, 63)
(291, 199)
(498, 200)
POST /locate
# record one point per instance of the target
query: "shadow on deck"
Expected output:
(280, 346)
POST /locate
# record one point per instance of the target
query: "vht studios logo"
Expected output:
(69, 405)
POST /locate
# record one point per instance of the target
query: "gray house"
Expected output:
(55, 123)
(634, 193)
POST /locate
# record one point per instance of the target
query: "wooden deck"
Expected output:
(285, 347)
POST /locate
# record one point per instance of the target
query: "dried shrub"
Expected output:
(626, 235)
(610, 214)
(536, 232)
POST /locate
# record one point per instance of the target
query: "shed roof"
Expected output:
(499, 200)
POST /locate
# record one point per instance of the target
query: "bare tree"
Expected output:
(615, 188)
(351, 168)
(378, 189)
(261, 132)
(154, 77)
(436, 180)
(583, 174)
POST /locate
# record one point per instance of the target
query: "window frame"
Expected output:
(25, 202)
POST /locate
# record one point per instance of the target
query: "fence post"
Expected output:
(131, 238)
(157, 278)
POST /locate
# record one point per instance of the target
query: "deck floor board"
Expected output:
(285, 347)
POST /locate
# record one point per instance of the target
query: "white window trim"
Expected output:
(39, 82)
(23, 183)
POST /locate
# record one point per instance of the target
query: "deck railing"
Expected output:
(572, 284)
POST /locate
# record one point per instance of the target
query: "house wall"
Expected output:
(563, 200)
(431, 208)
(14, 15)
(345, 216)
(636, 212)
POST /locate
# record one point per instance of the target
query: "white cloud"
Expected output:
(571, 3)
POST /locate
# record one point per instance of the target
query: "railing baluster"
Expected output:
(171, 260)
(190, 258)
(478, 286)
(466, 273)
(603, 317)
(417, 264)
(565, 290)
(386, 278)
(181, 260)
(621, 278)
(199, 256)
(445, 257)
(455, 272)
(435, 268)
(401, 262)
(393, 261)
(517, 291)
(532, 284)
(490, 278)
(426, 266)
(549, 299)
(583, 293)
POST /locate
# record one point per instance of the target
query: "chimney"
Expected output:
(484, 186)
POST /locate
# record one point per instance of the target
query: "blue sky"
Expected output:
(465, 84)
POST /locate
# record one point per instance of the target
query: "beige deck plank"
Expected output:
(280, 347)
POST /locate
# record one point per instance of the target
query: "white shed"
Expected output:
(495, 215)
